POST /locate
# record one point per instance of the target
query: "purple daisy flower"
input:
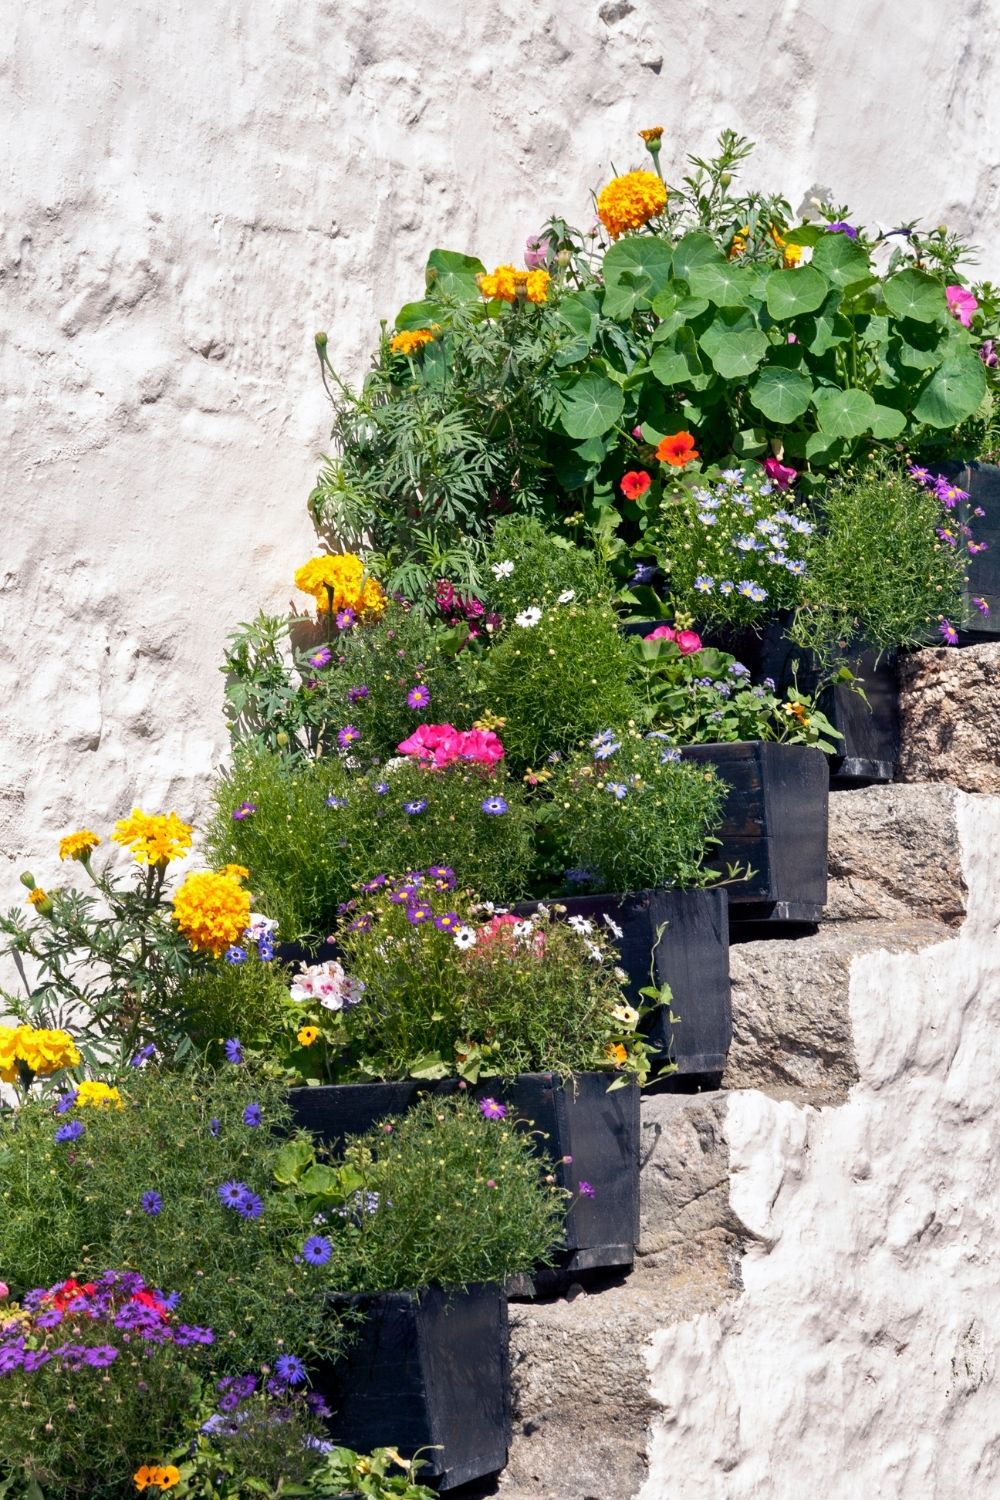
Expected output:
(65, 1102)
(236, 955)
(356, 694)
(348, 735)
(345, 618)
(336, 802)
(495, 806)
(245, 810)
(490, 1109)
(981, 605)
(949, 633)
(380, 788)
(70, 1132)
(250, 1206)
(376, 882)
(232, 1194)
(585, 1190)
(234, 1050)
(447, 921)
(151, 1203)
(418, 913)
(290, 1369)
(321, 658)
(252, 1116)
(418, 697)
(214, 1126)
(413, 808)
(100, 1356)
(317, 1250)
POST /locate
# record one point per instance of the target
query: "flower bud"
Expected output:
(28, 880)
(725, 179)
(321, 342)
(563, 258)
(281, 738)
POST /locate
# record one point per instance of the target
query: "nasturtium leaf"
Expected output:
(727, 320)
(580, 312)
(888, 422)
(593, 451)
(418, 315)
(914, 294)
(695, 249)
(454, 274)
(591, 405)
(790, 294)
(841, 259)
(953, 392)
(722, 283)
(804, 234)
(918, 353)
(677, 361)
(821, 448)
(739, 354)
(634, 271)
(844, 414)
(782, 395)
(750, 443)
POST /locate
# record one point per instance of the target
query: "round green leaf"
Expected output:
(634, 270)
(676, 360)
(782, 395)
(417, 315)
(844, 414)
(790, 294)
(953, 392)
(591, 406)
(724, 284)
(914, 294)
(454, 274)
(739, 354)
(695, 249)
(841, 259)
(888, 422)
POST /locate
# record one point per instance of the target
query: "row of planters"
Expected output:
(641, 520)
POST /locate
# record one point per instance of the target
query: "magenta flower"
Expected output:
(321, 658)
(355, 694)
(345, 618)
(245, 810)
(961, 304)
(842, 228)
(780, 474)
(988, 354)
(490, 1109)
(981, 605)
(347, 736)
(949, 633)
(585, 1190)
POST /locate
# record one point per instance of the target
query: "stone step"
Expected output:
(950, 717)
(895, 855)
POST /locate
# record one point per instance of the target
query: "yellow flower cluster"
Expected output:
(40, 1050)
(155, 838)
(212, 910)
(791, 255)
(740, 240)
(629, 202)
(509, 284)
(78, 845)
(339, 582)
(96, 1095)
(156, 1476)
(410, 341)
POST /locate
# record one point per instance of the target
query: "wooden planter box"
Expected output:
(427, 1370)
(982, 481)
(692, 956)
(775, 820)
(576, 1118)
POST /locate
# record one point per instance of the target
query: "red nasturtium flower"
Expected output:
(677, 450)
(635, 484)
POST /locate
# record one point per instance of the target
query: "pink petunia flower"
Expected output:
(662, 633)
(961, 304)
(780, 474)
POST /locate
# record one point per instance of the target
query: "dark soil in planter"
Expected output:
(775, 820)
(576, 1118)
(692, 957)
(426, 1370)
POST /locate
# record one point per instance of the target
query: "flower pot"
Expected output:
(692, 956)
(870, 745)
(982, 482)
(577, 1118)
(427, 1370)
(774, 821)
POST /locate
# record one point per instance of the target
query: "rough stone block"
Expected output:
(950, 717)
(895, 856)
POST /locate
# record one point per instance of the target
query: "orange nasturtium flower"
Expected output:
(677, 450)
(635, 483)
(616, 1053)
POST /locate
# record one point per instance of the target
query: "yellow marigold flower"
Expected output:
(338, 582)
(10, 1037)
(78, 845)
(616, 1053)
(410, 341)
(37, 898)
(503, 283)
(238, 872)
(739, 242)
(487, 285)
(536, 287)
(306, 1035)
(92, 1095)
(211, 910)
(652, 134)
(42, 1051)
(155, 838)
(631, 201)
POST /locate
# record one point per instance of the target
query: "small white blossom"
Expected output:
(464, 937)
(567, 596)
(528, 617)
(620, 975)
(523, 930)
(612, 926)
(595, 953)
(502, 569)
(581, 924)
(627, 1015)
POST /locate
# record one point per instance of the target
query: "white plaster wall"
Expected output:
(861, 1360)
(190, 190)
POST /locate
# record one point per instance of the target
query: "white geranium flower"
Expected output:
(528, 617)
(581, 924)
(567, 596)
(612, 926)
(464, 937)
(260, 926)
(502, 569)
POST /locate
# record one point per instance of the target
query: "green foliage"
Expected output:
(733, 551)
(246, 1000)
(556, 679)
(306, 855)
(879, 573)
(446, 1197)
(234, 1274)
(632, 817)
(372, 1476)
(478, 994)
(706, 697)
(532, 565)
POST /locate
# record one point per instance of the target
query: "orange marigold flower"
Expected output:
(677, 450)
(238, 872)
(652, 134)
(212, 910)
(410, 341)
(635, 484)
(738, 244)
(536, 286)
(631, 201)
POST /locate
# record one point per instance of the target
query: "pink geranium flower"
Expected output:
(662, 633)
(536, 252)
(440, 745)
(688, 642)
(780, 474)
(961, 304)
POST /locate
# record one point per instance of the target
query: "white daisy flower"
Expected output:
(627, 1015)
(464, 937)
(612, 926)
(567, 596)
(523, 929)
(528, 617)
(502, 569)
(595, 953)
(581, 924)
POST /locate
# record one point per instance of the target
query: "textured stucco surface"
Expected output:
(860, 1358)
(190, 192)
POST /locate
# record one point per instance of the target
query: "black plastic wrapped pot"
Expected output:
(425, 1371)
(775, 820)
(691, 955)
(576, 1117)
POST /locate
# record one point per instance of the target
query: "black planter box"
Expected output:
(427, 1370)
(775, 820)
(870, 746)
(300, 953)
(576, 1118)
(982, 483)
(692, 957)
